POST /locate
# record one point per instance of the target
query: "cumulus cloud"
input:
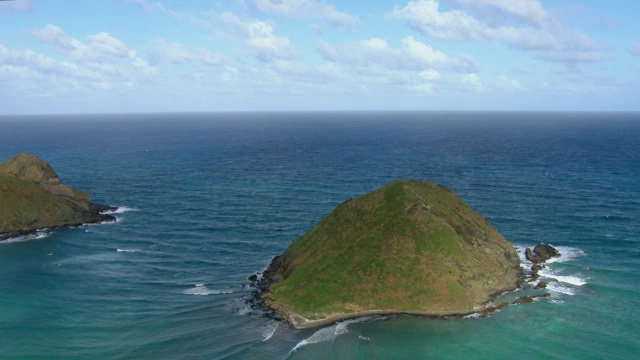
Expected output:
(307, 9)
(508, 84)
(173, 52)
(413, 55)
(100, 47)
(472, 82)
(140, 64)
(412, 67)
(529, 10)
(552, 41)
(105, 45)
(101, 62)
(259, 38)
(29, 71)
(177, 53)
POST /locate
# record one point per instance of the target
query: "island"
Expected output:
(32, 197)
(411, 247)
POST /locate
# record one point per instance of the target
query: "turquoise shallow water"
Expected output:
(208, 199)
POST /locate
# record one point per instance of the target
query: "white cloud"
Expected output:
(427, 80)
(472, 82)
(634, 49)
(413, 55)
(372, 65)
(146, 6)
(100, 47)
(17, 5)
(140, 64)
(259, 38)
(508, 84)
(103, 44)
(530, 10)
(424, 52)
(552, 41)
(574, 59)
(177, 53)
(57, 38)
(209, 58)
(424, 15)
(307, 9)
(39, 75)
(102, 62)
(429, 75)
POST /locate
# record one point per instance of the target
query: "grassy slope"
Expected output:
(410, 246)
(26, 206)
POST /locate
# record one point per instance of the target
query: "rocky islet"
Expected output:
(32, 197)
(411, 247)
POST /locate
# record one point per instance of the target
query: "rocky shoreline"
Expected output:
(101, 216)
(33, 198)
(260, 298)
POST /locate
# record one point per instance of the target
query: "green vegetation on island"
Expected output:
(410, 247)
(32, 198)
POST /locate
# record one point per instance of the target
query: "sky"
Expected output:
(121, 56)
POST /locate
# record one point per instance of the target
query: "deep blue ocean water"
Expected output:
(209, 199)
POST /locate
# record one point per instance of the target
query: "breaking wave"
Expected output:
(269, 330)
(203, 290)
(328, 334)
(21, 238)
(118, 210)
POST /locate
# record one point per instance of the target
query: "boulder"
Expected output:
(541, 253)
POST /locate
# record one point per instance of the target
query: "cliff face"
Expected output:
(410, 246)
(32, 197)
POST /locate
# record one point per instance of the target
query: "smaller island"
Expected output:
(411, 247)
(32, 198)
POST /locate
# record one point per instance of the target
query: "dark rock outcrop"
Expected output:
(535, 269)
(541, 253)
(538, 256)
(528, 299)
(540, 285)
(32, 197)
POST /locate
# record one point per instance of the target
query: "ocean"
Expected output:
(207, 200)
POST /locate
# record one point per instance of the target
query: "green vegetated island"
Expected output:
(411, 247)
(32, 198)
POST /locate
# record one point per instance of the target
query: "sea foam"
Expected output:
(203, 290)
(128, 250)
(559, 288)
(567, 254)
(269, 330)
(118, 210)
(22, 238)
(567, 279)
(473, 316)
(327, 334)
